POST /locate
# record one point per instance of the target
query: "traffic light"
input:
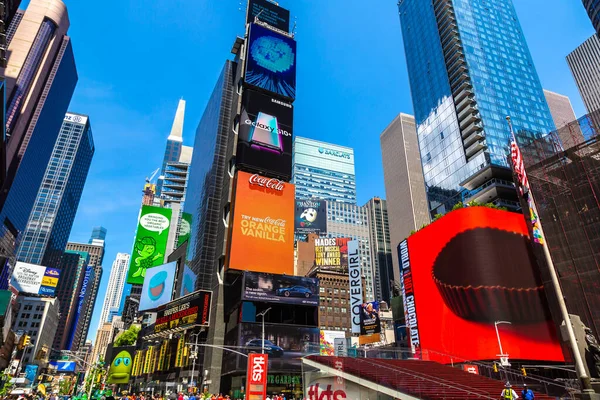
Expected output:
(24, 342)
(523, 371)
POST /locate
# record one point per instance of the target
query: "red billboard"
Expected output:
(256, 380)
(464, 272)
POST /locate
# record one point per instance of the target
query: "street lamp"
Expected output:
(262, 314)
(195, 355)
(503, 357)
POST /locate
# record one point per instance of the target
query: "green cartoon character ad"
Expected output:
(150, 242)
(119, 371)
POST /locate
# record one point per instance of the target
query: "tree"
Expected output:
(129, 337)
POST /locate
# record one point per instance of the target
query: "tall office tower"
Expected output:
(86, 352)
(116, 283)
(563, 114)
(95, 250)
(174, 143)
(38, 318)
(47, 232)
(351, 221)
(88, 299)
(104, 336)
(381, 249)
(72, 276)
(9, 10)
(593, 9)
(98, 233)
(469, 67)
(584, 63)
(323, 171)
(40, 80)
(404, 181)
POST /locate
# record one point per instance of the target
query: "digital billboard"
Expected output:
(262, 235)
(286, 289)
(463, 272)
(188, 311)
(158, 286)
(311, 216)
(270, 13)
(185, 228)
(332, 254)
(34, 279)
(188, 281)
(271, 62)
(63, 366)
(89, 271)
(327, 341)
(121, 363)
(265, 135)
(370, 324)
(150, 242)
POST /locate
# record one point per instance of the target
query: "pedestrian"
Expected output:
(180, 397)
(508, 393)
(527, 393)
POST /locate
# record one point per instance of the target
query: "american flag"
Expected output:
(518, 165)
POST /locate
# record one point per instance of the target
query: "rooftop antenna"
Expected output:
(294, 28)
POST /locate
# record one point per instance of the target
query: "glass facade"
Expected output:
(323, 171)
(381, 249)
(98, 233)
(593, 9)
(49, 226)
(469, 67)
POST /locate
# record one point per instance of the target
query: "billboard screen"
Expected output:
(185, 312)
(311, 216)
(121, 363)
(34, 279)
(332, 254)
(64, 366)
(327, 341)
(150, 242)
(158, 286)
(89, 271)
(286, 289)
(466, 270)
(265, 135)
(185, 228)
(370, 324)
(270, 13)
(262, 237)
(271, 62)
(188, 281)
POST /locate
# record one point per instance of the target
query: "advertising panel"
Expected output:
(256, 380)
(262, 237)
(34, 279)
(332, 254)
(285, 344)
(150, 242)
(281, 289)
(327, 341)
(370, 324)
(265, 135)
(468, 269)
(158, 286)
(271, 62)
(355, 283)
(270, 13)
(121, 363)
(192, 310)
(188, 281)
(89, 270)
(185, 228)
(63, 366)
(311, 216)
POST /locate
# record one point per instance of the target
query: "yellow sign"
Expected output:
(49, 281)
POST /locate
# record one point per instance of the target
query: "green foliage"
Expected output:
(437, 216)
(458, 206)
(129, 337)
(6, 384)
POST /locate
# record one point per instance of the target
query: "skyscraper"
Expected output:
(563, 114)
(404, 181)
(584, 63)
(381, 249)
(323, 171)
(116, 282)
(593, 9)
(98, 233)
(55, 206)
(469, 67)
(38, 318)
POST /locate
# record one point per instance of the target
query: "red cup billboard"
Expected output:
(464, 272)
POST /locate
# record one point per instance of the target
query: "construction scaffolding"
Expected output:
(564, 176)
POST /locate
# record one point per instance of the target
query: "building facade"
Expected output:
(94, 249)
(381, 249)
(116, 283)
(404, 181)
(38, 318)
(584, 63)
(469, 67)
(104, 336)
(563, 114)
(174, 146)
(98, 233)
(593, 9)
(323, 171)
(49, 226)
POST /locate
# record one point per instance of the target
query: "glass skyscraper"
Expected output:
(49, 226)
(469, 68)
(323, 171)
(593, 9)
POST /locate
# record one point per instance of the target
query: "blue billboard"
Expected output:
(64, 366)
(158, 286)
(89, 271)
(188, 281)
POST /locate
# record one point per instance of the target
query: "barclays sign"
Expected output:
(335, 153)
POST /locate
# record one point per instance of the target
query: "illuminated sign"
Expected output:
(355, 281)
(185, 312)
(335, 153)
(256, 380)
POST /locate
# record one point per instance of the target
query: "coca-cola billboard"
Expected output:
(265, 136)
(262, 233)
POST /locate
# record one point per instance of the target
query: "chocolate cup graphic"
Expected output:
(157, 285)
(487, 275)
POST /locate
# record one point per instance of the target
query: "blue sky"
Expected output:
(136, 58)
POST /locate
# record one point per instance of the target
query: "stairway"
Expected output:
(422, 379)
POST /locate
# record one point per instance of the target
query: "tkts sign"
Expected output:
(256, 380)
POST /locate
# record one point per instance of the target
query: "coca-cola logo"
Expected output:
(268, 183)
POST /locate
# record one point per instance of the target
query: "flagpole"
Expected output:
(579, 366)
